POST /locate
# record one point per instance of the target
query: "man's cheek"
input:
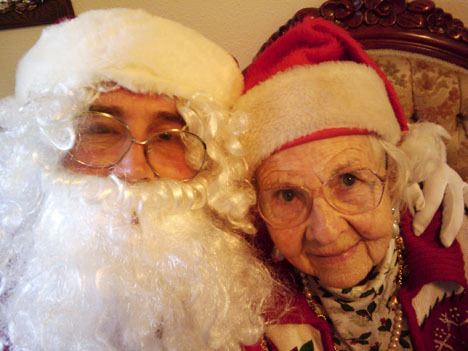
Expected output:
(76, 167)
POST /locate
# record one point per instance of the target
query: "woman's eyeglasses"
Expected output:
(349, 192)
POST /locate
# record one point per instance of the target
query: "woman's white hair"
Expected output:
(397, 169)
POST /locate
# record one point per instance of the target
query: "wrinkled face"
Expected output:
(104, 138)
(334, 243)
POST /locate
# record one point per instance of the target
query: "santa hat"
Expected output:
(138, 51)
(316, 82)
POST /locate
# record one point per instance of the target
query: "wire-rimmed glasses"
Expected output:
(350, 192)
(102, 141)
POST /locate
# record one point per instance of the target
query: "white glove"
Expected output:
(414, 198)
(442, 185)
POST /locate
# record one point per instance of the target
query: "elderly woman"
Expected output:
(330, 153)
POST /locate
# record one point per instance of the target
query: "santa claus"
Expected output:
(122, 193)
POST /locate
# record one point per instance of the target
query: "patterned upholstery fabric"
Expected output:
(434, 91)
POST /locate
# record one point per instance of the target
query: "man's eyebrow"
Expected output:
(158, 116)
(169, 116)
(112, 110)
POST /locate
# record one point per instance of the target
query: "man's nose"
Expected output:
(134, 167)
(325, 223)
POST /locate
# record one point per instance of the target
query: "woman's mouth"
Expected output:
(336, 257)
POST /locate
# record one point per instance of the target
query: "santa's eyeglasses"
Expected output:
(102, 141)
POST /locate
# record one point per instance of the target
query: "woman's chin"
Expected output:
(344, 271)
(345, 276)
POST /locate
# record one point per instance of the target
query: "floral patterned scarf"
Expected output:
(361, 316)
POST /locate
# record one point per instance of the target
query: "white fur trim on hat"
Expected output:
(307, 99)
(139, 51)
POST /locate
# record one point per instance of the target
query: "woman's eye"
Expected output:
(287, 195)
(348, 179)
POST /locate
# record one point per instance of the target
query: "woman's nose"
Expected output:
(325, 223)
(134, 167)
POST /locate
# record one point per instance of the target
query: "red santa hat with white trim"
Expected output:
(139, 51)
(316, 82)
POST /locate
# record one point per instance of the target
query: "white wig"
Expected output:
(74, 270)
(93, 263)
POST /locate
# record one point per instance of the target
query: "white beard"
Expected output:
(81, 276)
